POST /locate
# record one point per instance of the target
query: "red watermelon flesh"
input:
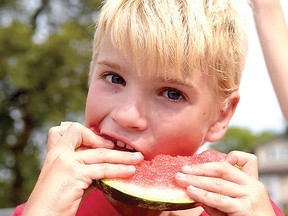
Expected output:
(153, 184)
(162, 169)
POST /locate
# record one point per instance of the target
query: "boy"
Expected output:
(164, 79)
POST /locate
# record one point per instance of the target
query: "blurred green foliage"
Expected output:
(45, 51)
(241, 139)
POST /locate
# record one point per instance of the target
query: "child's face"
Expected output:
(151, 116)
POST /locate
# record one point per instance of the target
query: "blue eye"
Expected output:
(173, 94)
(114, 79)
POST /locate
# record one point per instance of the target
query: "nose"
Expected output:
(130, 115)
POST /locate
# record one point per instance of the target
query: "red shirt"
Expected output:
(102, 207)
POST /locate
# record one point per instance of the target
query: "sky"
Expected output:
(258, 109)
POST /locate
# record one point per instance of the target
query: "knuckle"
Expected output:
(104, 170)
(52, 131)
(75, 125)
(207, 195)
(217, 182)
(220, 199)
(221, 170)
(215, 200)
(254, 158)
(248, 207)
(226, 165)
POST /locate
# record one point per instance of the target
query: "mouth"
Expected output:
(119, 145)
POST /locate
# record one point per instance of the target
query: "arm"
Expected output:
(273, 35)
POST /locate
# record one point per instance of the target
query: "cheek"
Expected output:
(95, 107)
(182, 136)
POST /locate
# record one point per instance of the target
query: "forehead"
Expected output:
(114, 56)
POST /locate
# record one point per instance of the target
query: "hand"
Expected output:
(230, 187)
(67, 174)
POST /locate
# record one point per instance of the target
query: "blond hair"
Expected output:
(178, 38)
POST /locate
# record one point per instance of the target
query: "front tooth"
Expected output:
(129, 147)
(120, 144)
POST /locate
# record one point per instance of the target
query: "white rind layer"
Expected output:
(170, 195)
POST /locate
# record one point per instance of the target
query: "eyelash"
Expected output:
(105, 76)
(182, 96)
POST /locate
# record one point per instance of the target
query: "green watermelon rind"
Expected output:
(128, 194)
(155, 197)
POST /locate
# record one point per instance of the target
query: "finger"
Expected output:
(103, 155)
(246, 162)
(105, 170)
(221, 170)
(77, 135)
(54, 135)
(213, 200)
(215, 185)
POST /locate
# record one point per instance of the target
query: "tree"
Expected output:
(241, 139)
(44, 61)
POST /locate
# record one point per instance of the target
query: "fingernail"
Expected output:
(137, 154)
(66, 123)
(191, 188)
(181, 175)
(187, 168)
(131, 168)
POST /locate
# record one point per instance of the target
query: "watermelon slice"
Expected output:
(153, 185)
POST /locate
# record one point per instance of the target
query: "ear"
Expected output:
(219, 127)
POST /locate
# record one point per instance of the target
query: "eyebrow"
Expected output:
(175, 81)
(159, 79)
(112, 65)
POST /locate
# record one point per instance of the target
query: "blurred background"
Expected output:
(45, 49)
